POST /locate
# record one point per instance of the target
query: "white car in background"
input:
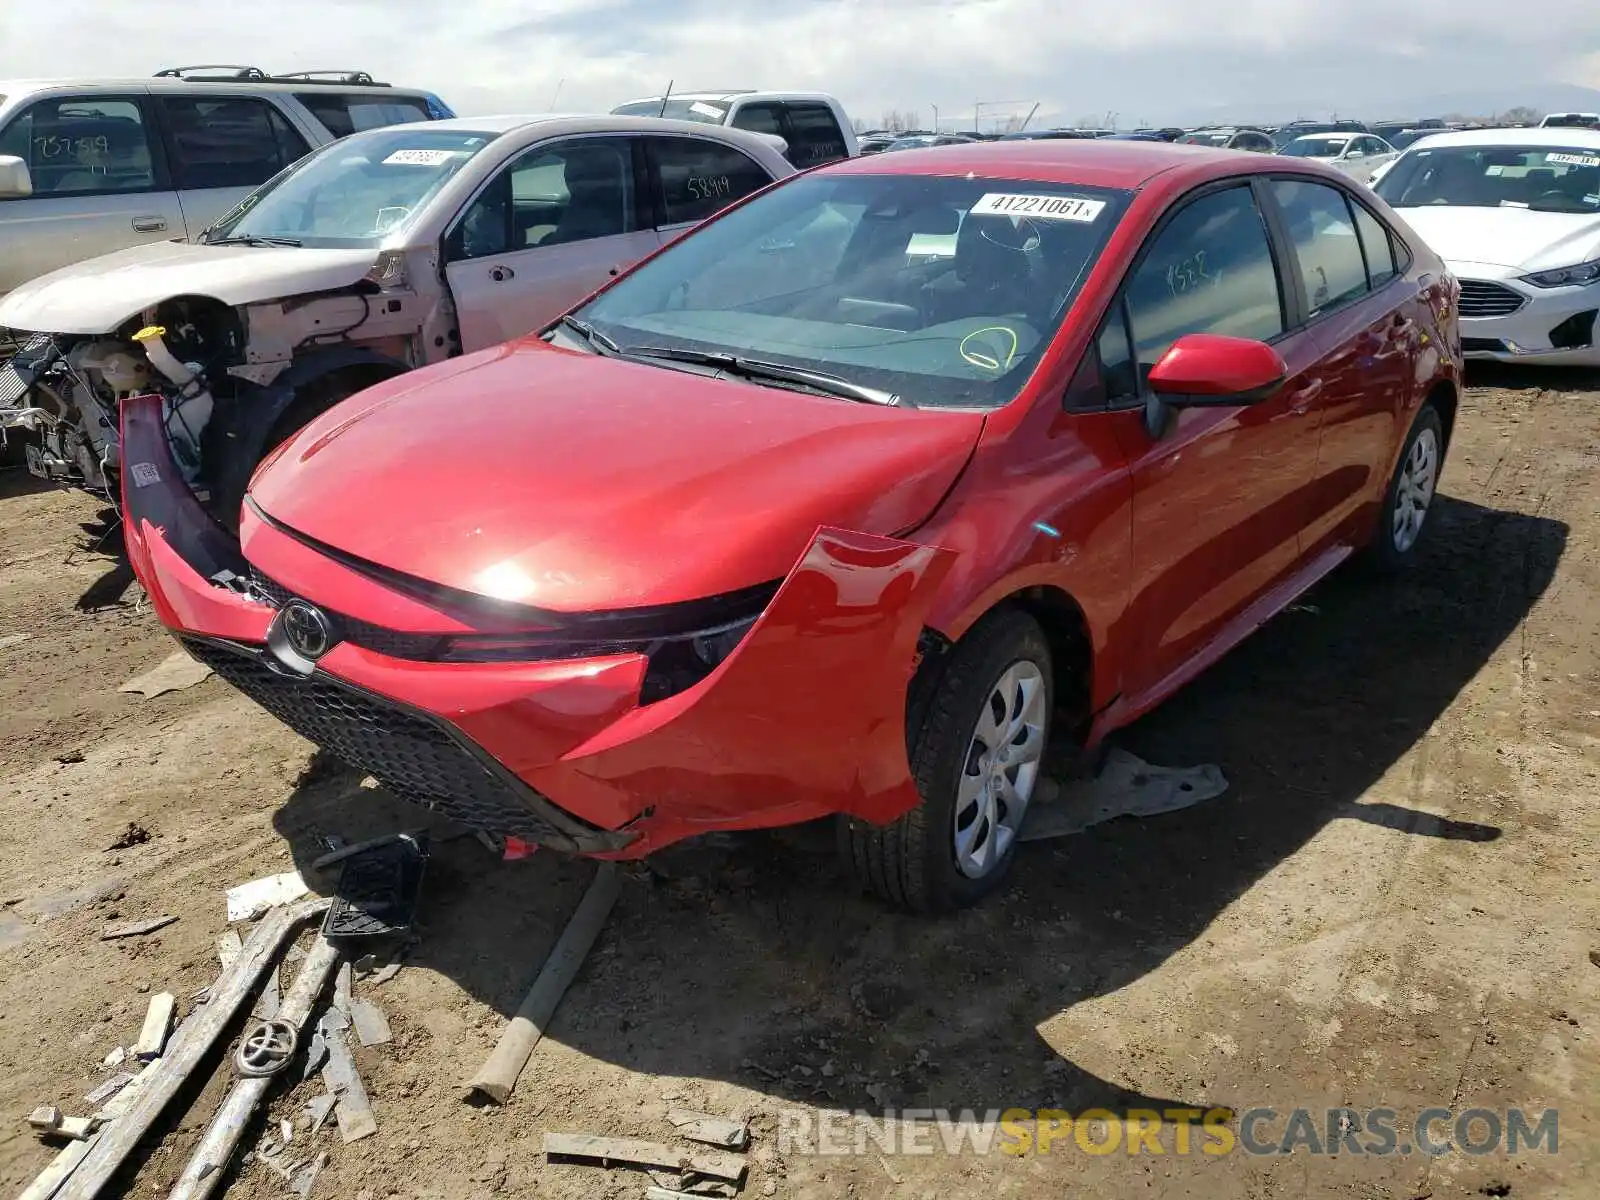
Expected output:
(384, 251)
(813, 125)
(1515, 214)
(1358, 155)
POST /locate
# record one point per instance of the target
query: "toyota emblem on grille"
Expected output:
(308, 630)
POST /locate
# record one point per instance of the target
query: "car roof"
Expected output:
(1533, 138)
(562, 124)
(732, 94)
(1086, 162)
(13, 89)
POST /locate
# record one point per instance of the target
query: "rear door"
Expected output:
(547, 229)
(1219, 498)
(222, 147)
(692, 178)
(1361, 312)
(100, 183)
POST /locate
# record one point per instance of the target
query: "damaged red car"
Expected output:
(841, 506)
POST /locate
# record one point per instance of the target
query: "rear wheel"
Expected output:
(1410, 497)
(976, 743)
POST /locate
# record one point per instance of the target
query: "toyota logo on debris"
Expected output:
(307, 629)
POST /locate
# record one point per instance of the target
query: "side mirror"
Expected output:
(1207, 370)
(16, 182)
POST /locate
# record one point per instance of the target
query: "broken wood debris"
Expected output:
(713, 1131)
(79, 1129)
(248, 900)
(320, 1108)
(498, 1075)
(109, 1088)
(630, 1151)
(45, 1118)
(228, 947)
(135, 928)
(48, 1182)
(354, 1111)
(200, 1035)
(371, 1026)
(177, 671)
(157, 1024)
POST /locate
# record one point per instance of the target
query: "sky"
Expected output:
(1144, 60)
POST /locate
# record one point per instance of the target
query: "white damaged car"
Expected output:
(376, 254)
(1515, 214)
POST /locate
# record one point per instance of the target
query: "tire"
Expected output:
(912, 863)
(1402, 521)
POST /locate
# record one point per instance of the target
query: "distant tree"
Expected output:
(1522, 115)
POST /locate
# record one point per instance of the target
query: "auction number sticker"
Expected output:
(1047, 208)
(418, 158)
(705, 110)
(144, 474)
(1574, 160)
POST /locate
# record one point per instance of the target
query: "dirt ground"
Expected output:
(1394, 905)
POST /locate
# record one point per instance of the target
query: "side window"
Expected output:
(569, 191)
(344, 113)
(814, 136)
(1378, 246)
(759, 118)
(1210, 270)
(1325, 243)
(1116, 358)
(83, 146)
(227, 141)
(695, 178)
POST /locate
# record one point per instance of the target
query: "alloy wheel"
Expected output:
(1001, 768)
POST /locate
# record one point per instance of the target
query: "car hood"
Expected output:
(99, 294)
(564, 481)
(1506, 237)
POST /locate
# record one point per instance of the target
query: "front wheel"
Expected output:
(1410, 497)
(977, 750)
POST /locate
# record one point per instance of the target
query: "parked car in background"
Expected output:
(1570, 120)
(1229, 138)
(1389, 131)
(93, 166)
(387, 250)
(794, 483)
(921, 141)
(1285, 134)
(1168, 133)
(1358, 155)
(1036, 135)
(1515, 213)
(813, 125)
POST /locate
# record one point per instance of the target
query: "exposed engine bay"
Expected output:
(214, 366)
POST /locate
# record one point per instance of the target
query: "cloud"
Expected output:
(1145, 59)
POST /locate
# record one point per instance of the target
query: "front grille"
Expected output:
(413, 756)
(392, 643)
(26, 364)
(1480, 298)
(1483, 345)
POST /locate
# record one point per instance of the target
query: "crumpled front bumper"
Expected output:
(805, 718)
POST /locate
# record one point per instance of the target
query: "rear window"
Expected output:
(227, 142)
(344, 113)
(707, 112)
(814, 136)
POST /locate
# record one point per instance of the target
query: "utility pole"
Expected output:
(936, 118)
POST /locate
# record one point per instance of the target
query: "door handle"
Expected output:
(501, 274)
(149, 224)
(1300, 401)
(614, 271)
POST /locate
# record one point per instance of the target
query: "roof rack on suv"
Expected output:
(231, 72)
(348, 78)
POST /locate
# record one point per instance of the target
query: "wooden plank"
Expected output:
(354, 1110)
(157, 1024)
(228, 947)
(259, 895)
(643, 1154)
(199, 1036)
(498, 1075)
(48, 1182)
(713, 1131)
(135, 928)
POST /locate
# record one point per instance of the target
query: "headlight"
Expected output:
(1586, 272)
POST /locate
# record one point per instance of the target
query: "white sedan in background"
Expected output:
(1515, 214)
(1358, 155)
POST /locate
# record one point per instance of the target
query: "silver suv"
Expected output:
(87, 167)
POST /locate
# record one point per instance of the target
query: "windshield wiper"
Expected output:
(760, 371)
(601, 343)
(256, 241)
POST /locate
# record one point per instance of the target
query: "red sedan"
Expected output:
(840, 506)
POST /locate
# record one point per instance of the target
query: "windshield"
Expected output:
(1214, 138)
(709, 112)
(354, 192)
(1548, 179)
(1316, 147)
(944, 291)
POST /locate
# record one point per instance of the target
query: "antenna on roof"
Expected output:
(665, 96)
(560, 83)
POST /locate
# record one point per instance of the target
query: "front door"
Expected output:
(99, 184)
(550, 227)
(1219, 496)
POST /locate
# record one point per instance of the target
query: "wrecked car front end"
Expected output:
(609, 734)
